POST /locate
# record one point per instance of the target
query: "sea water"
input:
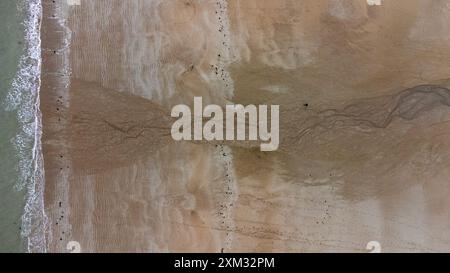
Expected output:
(21, 173)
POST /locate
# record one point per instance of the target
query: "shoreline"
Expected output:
(54, 103)
(25, 98)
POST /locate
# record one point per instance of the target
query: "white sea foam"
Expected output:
(23, 97)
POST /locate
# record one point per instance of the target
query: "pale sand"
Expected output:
(365, 160)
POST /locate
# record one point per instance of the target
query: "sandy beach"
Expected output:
(364, 124)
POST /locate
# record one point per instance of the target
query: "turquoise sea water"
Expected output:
(20, 156)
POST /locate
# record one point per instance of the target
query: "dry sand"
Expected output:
(364, 122)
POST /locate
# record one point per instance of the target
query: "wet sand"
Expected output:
(364, 152)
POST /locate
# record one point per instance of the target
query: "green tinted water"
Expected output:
(11, 199)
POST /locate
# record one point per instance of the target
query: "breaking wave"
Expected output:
(23, 97)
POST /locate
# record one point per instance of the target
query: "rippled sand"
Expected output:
(364, 150)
